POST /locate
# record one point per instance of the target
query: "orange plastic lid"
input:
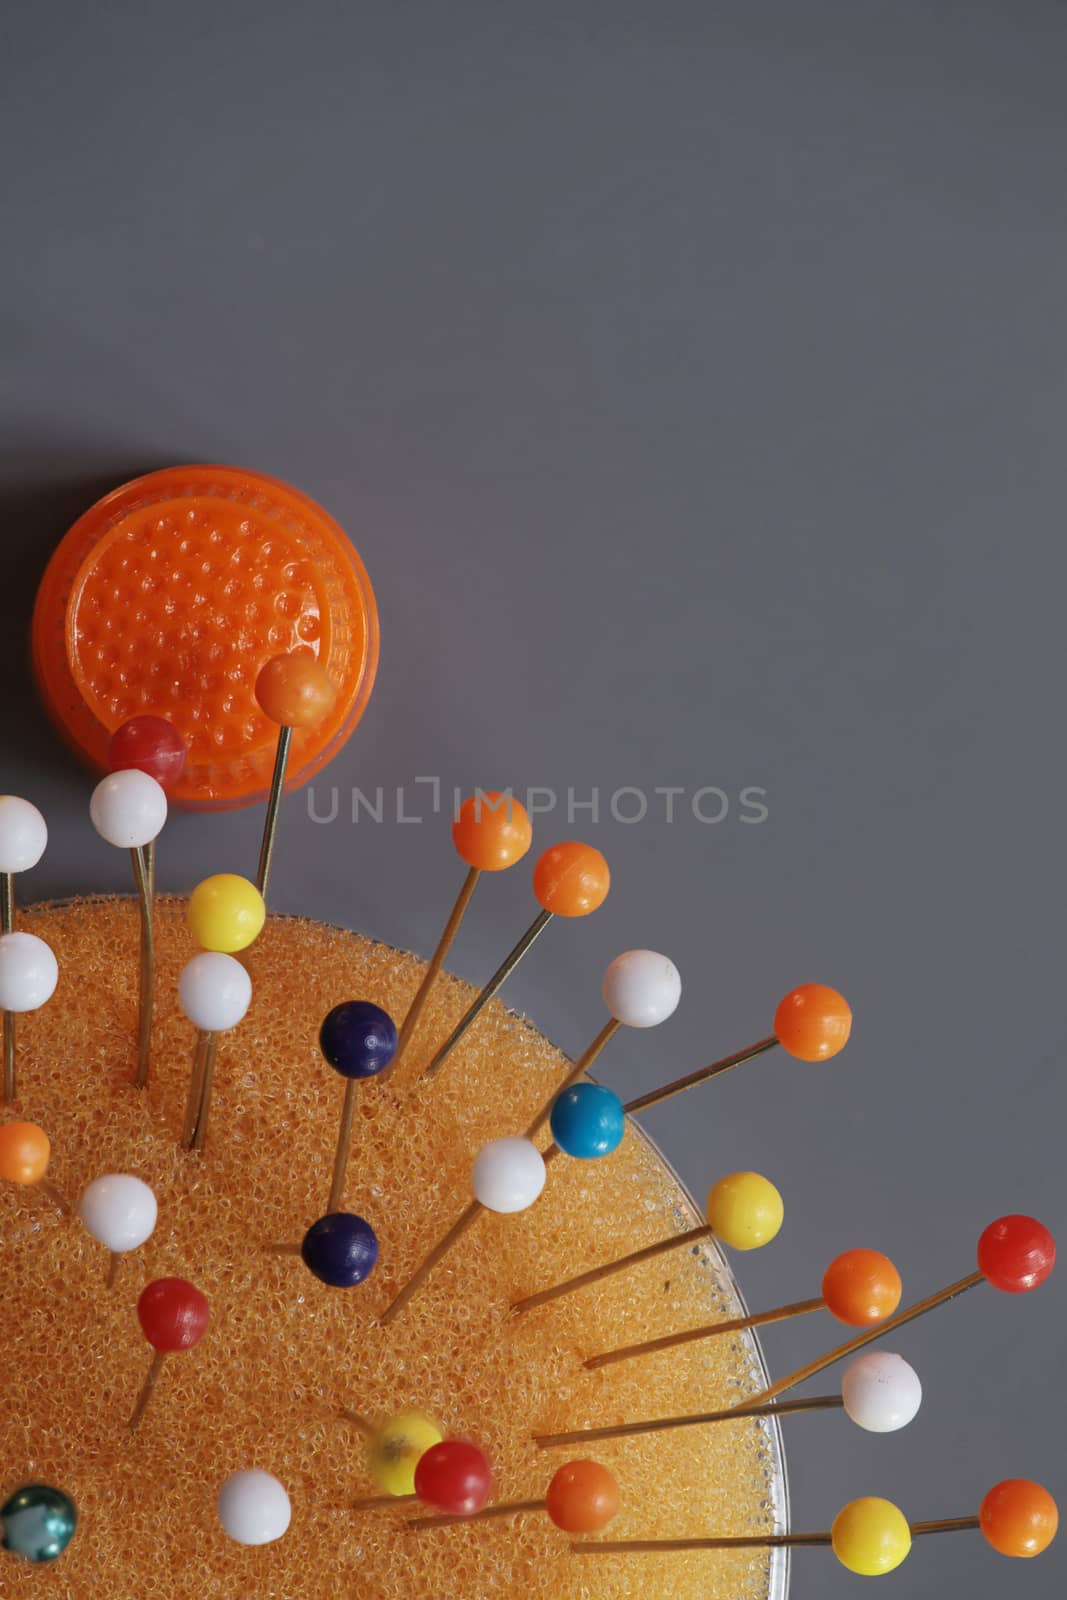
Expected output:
(168, 596)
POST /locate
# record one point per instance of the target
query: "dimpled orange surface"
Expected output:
(169, 595)
(283, 1351)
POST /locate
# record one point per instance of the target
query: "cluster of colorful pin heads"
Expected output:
(491, 832)
(358, 1039)
(408, 1457)
(225, 915)
(569, 880)
(453, 1477)
(582, 1497)
(641, 989)
(395, 1449)
(117, 1209)
(871, 1536)
(37, 1522)
(28, 969)
(146, 757)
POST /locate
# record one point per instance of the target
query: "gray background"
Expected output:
(692, 380)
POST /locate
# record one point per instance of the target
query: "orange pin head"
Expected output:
(813, 1022)
(582, 1497)
(1019, 1518)
(861, 1287)
(294, 690)
(24, 1152)
(571, 879)
(492, 830)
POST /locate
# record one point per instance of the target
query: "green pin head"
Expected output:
(37, 1522)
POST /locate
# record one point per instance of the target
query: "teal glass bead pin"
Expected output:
(38, 1522)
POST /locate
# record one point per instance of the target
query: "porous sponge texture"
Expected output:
(284, 1353)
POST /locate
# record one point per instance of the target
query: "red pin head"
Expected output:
(1019, 1518)
(861, 1287)
(1016, 1254)
(455, 1477)
(582, 1497)
(152, 745)
(173, 1314)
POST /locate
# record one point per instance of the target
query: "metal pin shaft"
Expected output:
(622, 1430)
(382, 1502)
(147, 974)
(909, 1314)
(756, 1541)
(210, 1056)
(51, 1193)
(584, 1280)
(474, 1210)
(656, 1097)
(502, 973)
(7, 925)
(512, 1510)
(147, 1389)
(769, 1541)
(669, 1341)
(344, 1144)
(274, 800)
(196, 1089)
(362, 1424)
(437, 961)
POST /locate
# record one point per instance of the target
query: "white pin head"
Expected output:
(119, 1211)
(28, 972)
(642, 988)
(881, 1391)
(254, 1507)
(214, 991)
(128, 808)
(508, 1175)
(23, 834)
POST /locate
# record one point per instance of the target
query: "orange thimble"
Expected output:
(168, 597)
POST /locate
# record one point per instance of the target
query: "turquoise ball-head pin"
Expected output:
(38, 1522)
(588, 1121)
